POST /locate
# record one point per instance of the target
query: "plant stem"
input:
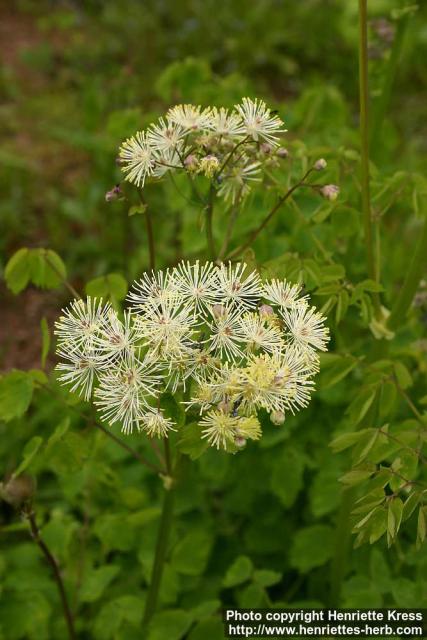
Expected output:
(413, 276)
(65, 282)
(162, 539)
(257, 231)
(208, 222)
(382, 102)
(343, 534)
(364, 140)
(150, 234)
(35, 534)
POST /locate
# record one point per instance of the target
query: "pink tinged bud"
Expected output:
(114, 194)
(240, 442)
(282, 152)
(191, 161)
(266, 148)
(320, 164)
(265, 311)
(277, 417)
(330, 192)
(218, 311)
(225, 407)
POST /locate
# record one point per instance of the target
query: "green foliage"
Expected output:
(110, 287)
(42, 267)
(16, 391)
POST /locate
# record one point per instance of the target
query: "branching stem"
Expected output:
(29, 514)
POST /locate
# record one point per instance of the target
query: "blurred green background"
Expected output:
(76, 79)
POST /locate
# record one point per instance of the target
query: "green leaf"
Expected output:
(127, 608)
(114, 532)
(403, 376)
(387, 399)
(337, 372)
(238, 572)
(361, 404)
(172, 624)
(172, 409)
(287, 476)
(367, 444)
(347, 440)
(191, 554)
(211, 629)
(28, 454)
(16, 392)
(266, 578)
(112, 286)
(191, 442)
(43, 267)
(422, 525)
(17, 271)
(378, 525)
(358, 475)
(410, 505)
(137, 209)
(394, 518)
(44, 327)
(332, 272)
(312, 547)
(96, 581)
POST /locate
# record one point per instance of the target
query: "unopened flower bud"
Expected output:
(191, 163)
(320, 164)
(114, 194)
(330, 192)
(18, 490)
(266, 148)
(282, 152)
(265, 311)
(209, 165)
(240, 442)
(225, 407)
(277, 417)
(218, 311)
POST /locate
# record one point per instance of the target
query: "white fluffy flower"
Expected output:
(258, 121)
(225, 123)
(196, 283)
(124, 392)
(166, 136)
(236, 183)
(81, 321)
(306, 326)
(216, 337)
(189, 117)
(138, 158)
(284, 294)
(238, 286)
(155, 424)
(80, 368)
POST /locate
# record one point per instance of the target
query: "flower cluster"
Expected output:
(229, 146)
(223, 341)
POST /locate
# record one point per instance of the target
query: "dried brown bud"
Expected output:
(18, 490)
(282, 152)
